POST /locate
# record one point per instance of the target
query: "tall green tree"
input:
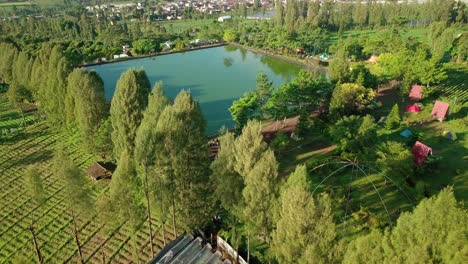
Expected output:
(260, 194)
(145, 149)
(22, 68)
(55, 89)
(125, 197)
(228, 183)
(305, 230)
(249, 148)
(129, 101)
(37, 193)
(77, 195)
(191, 164)
(8, 54)
(393, 118)
(349, 98)
(339, 66)
(86, 104)
(279, 16)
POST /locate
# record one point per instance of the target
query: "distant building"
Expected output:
(224, 18)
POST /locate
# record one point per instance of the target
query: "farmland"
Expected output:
(35, 146)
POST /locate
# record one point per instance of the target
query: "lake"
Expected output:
(215, 76)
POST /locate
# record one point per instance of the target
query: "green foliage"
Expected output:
(129, 101)
(125, 193)
(86, 104)
(54, 90)
(305, 230)
(77, 193)
(183, 163)
(34, 185)
(436, 229)
(304, 94)
(260, 195)
(228, 183)
(8, 54)
(145, 46)
(280, 143)
(17, 94)
(230, 35)
(393, 118)
(339, 67)
(354, 134)
(249, 147)
(146, 136)
(249, 106)
(394, 160)
(104, 144)
(360, 74)
(349, 98)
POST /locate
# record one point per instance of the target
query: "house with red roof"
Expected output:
(420, 152)
(416, 92)
(439, 111)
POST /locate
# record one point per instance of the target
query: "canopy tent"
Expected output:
(406, 133)
(413, 109)
(416, 92)
(449, 135)
(420, 152)
(440, 109)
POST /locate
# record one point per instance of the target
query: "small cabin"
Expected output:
(101, 170)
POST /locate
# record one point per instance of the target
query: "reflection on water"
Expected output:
(228, 62)
(216, 77)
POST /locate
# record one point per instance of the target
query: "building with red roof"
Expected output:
(440, 109)
(416, 92)
(420, 152)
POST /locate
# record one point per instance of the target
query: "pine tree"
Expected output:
(104, 145)
(125, 197)
(260, 195)
(438, 238)
(77, 196)
(36, 192)
(55, 90)
(8, 55)
(249, 148)
(191, 165)
(128, 103)
(393, 119)
(339, 66)
(279, 17)
(145, 152)
(22, 70)
(85, 104)
(228, 183)
(305, 230)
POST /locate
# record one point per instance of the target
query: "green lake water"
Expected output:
(216, 77)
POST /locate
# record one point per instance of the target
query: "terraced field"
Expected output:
(35, 146)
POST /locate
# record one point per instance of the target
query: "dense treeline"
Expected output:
(306, 24)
